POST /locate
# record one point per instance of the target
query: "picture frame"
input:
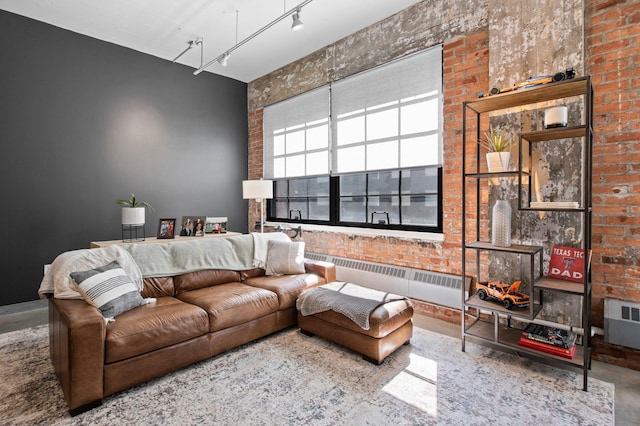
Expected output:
(192, 226)
(166, 228)
(215, 225)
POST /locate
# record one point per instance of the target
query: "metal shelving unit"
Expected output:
(488, 322)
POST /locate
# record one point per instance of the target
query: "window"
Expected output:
(403, 199)
(302, 199)
(296, 136)
(364, 151)
(389, 117)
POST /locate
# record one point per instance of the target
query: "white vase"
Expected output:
(501, 224)
(133, 215)
(498, 161)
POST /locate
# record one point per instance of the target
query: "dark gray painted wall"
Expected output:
(84, 122)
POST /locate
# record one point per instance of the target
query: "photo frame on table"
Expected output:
(215, 225)
(166, 228)
(192, 226)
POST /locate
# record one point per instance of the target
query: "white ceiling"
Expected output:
(163, 28)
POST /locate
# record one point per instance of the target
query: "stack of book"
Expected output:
(551, 340)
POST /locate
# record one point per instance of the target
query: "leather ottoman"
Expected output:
(390, 327)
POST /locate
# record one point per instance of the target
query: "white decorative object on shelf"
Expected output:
(501, 224)
(556, 117)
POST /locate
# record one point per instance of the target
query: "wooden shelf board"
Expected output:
(551, 209)
(557, 133)
(510, 173)
(496, 306)
(509, 337)
(546, 92)
(515, 248)
(564, 286)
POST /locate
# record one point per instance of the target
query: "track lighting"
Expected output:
(297, 24)
(191, 43)
(224, 59)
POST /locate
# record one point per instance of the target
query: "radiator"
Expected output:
(432, 287)
(622, 323)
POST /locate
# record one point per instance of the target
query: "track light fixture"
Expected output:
(297, 24)
(224, 59)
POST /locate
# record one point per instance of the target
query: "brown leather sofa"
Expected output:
(195, 316)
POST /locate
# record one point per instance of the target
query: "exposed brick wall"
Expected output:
(255, 160)
(613, 61)
(613, 43)
(466, 65)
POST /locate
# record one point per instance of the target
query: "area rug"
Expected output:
(292, 379)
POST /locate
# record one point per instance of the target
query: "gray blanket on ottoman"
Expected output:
(350, 300)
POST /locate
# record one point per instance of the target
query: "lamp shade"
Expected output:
(257, 189)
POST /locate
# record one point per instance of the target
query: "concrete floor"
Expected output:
(627, 382)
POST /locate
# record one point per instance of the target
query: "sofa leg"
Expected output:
(372, 360)
(84, 408)
(307, 333)
(407, 342)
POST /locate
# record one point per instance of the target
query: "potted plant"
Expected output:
(133, 212)
(498, 146)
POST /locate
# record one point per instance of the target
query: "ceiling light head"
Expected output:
(224, 59)
(297, 23)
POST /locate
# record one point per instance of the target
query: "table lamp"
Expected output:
(258, 190)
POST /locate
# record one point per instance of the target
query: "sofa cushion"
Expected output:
(287, 287)
(285, 258)
(109, 289)
(251, 273)
(231, 304)
(205, 278)
(156, 325)
(158, 287)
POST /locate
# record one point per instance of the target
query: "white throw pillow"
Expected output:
(284, 258)
(109, 289)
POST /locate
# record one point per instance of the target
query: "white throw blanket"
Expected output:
(58, 281)
(196, 254)
(350, 300)
(239, 253)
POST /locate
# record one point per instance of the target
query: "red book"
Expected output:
(543, 347)
(567, 263)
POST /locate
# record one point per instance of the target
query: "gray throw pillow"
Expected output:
(284, 258)
(109, 289)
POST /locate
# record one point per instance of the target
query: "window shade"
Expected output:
(390, 116)
(296, 135)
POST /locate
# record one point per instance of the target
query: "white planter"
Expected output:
(498, 161)
(133, 215)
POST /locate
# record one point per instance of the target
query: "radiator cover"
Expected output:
(622, 323)
(433, 287)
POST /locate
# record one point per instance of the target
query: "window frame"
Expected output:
(404, 81)
(334, 204)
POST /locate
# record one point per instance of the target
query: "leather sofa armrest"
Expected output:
(321, 268)
(77, 333)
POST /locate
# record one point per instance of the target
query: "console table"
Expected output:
(96, 244)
